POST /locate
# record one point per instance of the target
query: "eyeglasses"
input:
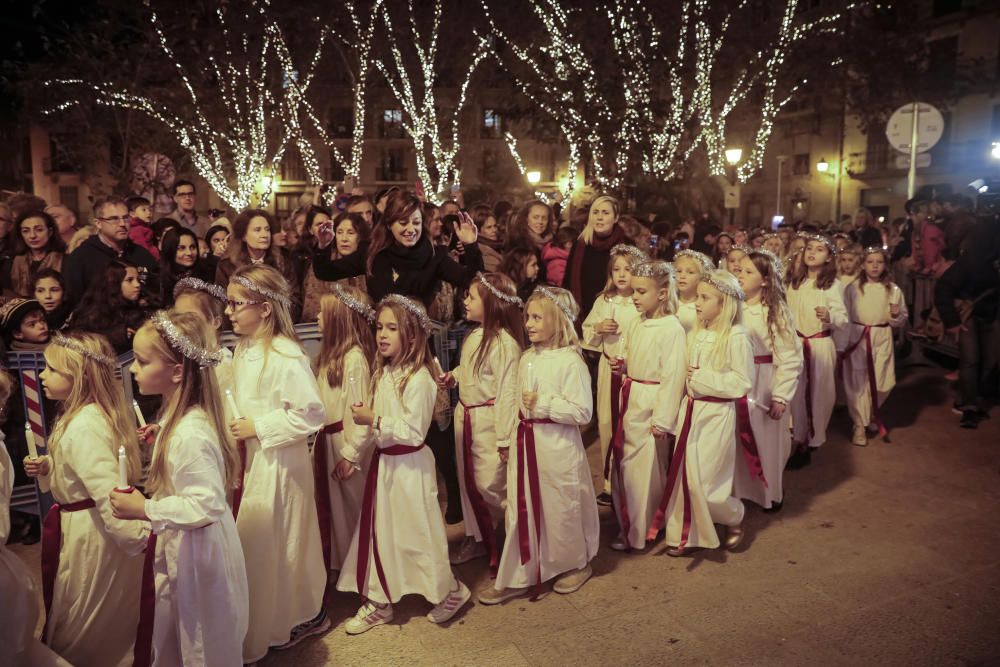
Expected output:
(233, 305)
(117, 218)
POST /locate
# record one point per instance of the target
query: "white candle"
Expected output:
(122, 469)
(138, 414)
(529, 377)
(232, 404)
(354, 396)
(29, 437)
(438, 367)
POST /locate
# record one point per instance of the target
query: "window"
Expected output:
(341, 123)
(392, 165)
(492, 127)
(285, 203)
(800, 164)
(292, 168)
(335, 172)
(392, 124)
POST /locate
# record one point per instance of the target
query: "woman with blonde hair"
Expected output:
(593, 249)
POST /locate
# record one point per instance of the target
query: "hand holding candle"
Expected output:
(29, 438)
(232, 404)
(123, 484)
(354, 396)
(438, 367)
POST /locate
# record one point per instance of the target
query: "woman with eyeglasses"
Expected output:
(37, 246)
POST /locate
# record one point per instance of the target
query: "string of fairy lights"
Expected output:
(238, 132)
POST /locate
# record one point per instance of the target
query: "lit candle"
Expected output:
(29, 437)
(232, 404)
(122, 470)
(529, 377)
(138, 414)
(438, 367)
(354, 396)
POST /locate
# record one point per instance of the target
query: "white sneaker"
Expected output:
(572, 580)
(617, 544)
(492, 596)
(448, 607)
(368, 617)
(860, 436)
(469, 550)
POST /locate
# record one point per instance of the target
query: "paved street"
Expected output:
(885, 555)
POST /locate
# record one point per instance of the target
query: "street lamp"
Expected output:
(734, 155)
(995, 152)
(534, 177)
(822, 166)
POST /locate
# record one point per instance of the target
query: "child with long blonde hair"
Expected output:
(653, 386)
(278, 407)
(552, 523)
(193, 295)
(777, 364)
(196, 568)
(875, 306)
(699, 489)
(342, 451)
(484, 419)
(816, 299)
(690, 267)
(604, 330)
(400, 546)
(91, 561)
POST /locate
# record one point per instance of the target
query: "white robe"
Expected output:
(409, 527)
(710, 454)
(870, 306)
(687, 314)
(623, 311)
(656, 352)
(353, 444)
(202, 600)
(803, 301)
(22, 595)
(773, 381)
(277, 520)
(492, 426)
(95, 597)
(570, 523)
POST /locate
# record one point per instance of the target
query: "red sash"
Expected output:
(616, 389)
(366, 535)
(763, 359)
(526, 458)
(241, 446)
(322, 484)
(479, 509)
(51, 543)
(866, 336)
(676, 466)
(807, 358)
(142, 652)
(617, 451)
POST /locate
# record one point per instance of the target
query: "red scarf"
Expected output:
(604, 244)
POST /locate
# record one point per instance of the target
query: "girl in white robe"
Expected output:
(341, 453)
(93, 599)
(198, 573)
(654, 384)
(875, 305)
(280, 408)
(552, 522)
(400, 546)
(690, 266)
(816, 299)
(604, 331)
(777, 357)
(699, 489)
(487, 389)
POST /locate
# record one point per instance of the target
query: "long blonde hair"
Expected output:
(94, 383)
(279, 323)
(731, 315)
(587, 235)
(553, 301)
(343, 328)
(663, 276)
(416, 353)
(198, 389)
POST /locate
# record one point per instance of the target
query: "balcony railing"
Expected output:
(883, 160)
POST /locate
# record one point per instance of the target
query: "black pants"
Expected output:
(442, 443)
(977, 360)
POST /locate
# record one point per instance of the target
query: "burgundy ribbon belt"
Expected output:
(51, 543)
(322, 486)
(142, 652)
(763, 359)
(484, 520)
(616, 389)
(676, 465)
(526, 458)
(744, 429)
(367, 535)
(807, 358)
(866, 336)
(617, 451)
(241, 447)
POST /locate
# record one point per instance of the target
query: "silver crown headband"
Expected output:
(509, 299)
(745, 249)
(777, 266)
(551, 296)
(729, 290)
(191, 282)
(203, 357)
(875, 248)
(71, 344)
(655, 270)
(263, 291)
(699, 257)
(410, 306)
(630, 251)
(822, 239)
(359, 307)
(771, 235)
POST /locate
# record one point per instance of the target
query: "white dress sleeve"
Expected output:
(301, 413)
(505, 357)
(787, 358)
(835, 304)
(199, 494)
(900, 319)
(672, 374)
(732, 383)
(416, 409)
(574, 404)
(598, 313)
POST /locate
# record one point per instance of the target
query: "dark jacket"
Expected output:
(972, 276)
(868, 236)
(80, 266)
